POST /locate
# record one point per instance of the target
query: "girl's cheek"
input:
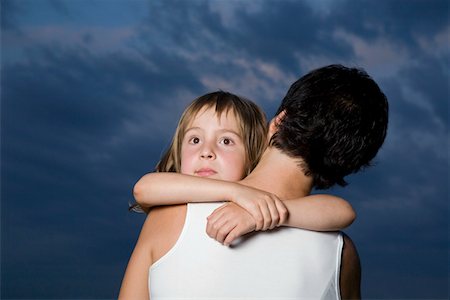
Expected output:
(236, 159)
(187, 156)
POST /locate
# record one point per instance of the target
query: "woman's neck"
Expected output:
(279, 174)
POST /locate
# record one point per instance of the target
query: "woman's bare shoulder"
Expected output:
(162, 228)
(161, 213)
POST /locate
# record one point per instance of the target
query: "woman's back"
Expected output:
(286, 263)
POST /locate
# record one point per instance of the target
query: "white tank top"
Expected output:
(286, 263)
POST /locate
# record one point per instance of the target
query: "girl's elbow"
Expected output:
(350, 216)
(138, 191)
(144, 191)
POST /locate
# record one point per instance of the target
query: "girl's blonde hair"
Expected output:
(252, 124)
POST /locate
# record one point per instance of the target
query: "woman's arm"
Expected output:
(159, 234)
(135, 280)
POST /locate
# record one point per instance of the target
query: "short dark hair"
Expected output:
(335, 120)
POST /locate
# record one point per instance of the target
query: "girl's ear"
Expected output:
(275, 122)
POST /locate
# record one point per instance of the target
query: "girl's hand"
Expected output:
(229, 222)
(267, 209)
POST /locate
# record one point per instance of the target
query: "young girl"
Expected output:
(316, 212)
(219, 139)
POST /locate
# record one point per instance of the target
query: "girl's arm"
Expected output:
(315, 212)
(164, 188)
(319, 212)
(155, 189)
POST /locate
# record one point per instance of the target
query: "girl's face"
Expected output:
(212, 147)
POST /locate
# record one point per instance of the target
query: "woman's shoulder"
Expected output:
(163, 221)
(161, 213)
(162, 228)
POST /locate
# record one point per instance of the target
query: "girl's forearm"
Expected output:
(314, 212)
(156, 189)
(319, 213)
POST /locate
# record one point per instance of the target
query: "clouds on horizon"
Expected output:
(90, 100)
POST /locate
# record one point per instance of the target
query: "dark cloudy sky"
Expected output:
(91, 92)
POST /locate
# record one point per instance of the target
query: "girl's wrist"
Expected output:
(231, 189)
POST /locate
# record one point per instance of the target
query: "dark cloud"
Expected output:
(399, 201)
(67, 163)
(81, 124)
(273, 33)
(435, 88)
(60, 7)
(10, 9)
(398, 20)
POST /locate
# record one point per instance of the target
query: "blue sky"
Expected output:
(91, 92)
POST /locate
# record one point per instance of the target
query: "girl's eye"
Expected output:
(194, 140)
(227, 141)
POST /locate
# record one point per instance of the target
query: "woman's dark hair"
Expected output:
(335, 120)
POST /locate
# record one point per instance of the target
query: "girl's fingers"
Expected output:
(274, 214)
(214, 222)
(282, 210)
(266, 215)
(259, 219)
(234, 233)
(212, 228)
(224, 231)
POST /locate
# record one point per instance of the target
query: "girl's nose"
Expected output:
(207, 153)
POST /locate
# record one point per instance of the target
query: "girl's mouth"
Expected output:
(205, 172)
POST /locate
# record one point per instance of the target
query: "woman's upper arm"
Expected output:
(135, 281)
(159, 233)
